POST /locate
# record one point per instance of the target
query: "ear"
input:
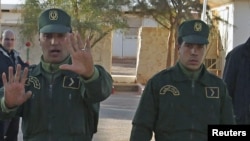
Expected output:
(178, 46)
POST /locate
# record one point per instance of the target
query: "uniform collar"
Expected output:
(193, 75)
(42, 66)
(203, 76)
(6, 53)
(51, 68)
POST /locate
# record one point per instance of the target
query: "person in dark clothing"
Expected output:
(9, 57)
(236, 74)
(179, 103)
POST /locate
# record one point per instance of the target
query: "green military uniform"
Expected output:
(180, 106)
(60, 106)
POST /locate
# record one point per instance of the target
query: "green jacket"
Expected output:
(176, 108)
(61, 110)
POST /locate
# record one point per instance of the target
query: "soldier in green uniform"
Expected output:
(58, 99)
(180, 102)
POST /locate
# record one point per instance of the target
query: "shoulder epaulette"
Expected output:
(31, 67)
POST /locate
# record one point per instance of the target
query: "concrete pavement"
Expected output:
(116, 116)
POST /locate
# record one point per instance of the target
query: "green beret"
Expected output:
(194, 31)
(54, 20)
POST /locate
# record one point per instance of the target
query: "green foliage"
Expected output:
(28, 24)
(168, 12)
(91, 18)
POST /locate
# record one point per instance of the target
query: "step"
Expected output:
(124, 60)
(125, 87)
(128, 87)
(124, 79)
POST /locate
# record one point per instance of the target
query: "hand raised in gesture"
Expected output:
(14, 87)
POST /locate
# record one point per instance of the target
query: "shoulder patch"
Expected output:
(31, 67)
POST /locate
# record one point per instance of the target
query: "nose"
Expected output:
(193, 50)
(54, 40)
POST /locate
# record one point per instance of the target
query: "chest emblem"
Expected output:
(212, 92)
(33, 81)
(169, 88)
(69, 82)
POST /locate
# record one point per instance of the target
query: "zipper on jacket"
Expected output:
(69, 96)
(50, 91)
(191, 135)
(193, 95)
(51, 104)
(193, 87)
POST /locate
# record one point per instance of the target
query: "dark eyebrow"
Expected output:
(9, 39)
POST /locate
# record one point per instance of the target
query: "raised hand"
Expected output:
(82, 61)
(14, 87)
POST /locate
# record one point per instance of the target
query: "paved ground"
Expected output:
(123, 66)
(123, 69)
(115, 117)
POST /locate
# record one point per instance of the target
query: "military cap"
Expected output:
(54, 20)
(194, 31)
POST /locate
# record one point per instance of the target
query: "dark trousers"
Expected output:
(9, 129)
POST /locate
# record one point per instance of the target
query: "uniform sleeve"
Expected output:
(144, 120)
(94, 77)
(99, 88)
(5, 113)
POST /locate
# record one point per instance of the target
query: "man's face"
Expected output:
(54, 46)
(192, 55)
(8, 41)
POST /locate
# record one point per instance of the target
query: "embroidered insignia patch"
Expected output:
(169, 88)
(53, 15)
(69, 82)
(212, 92)
(34, 81)
(197, 27)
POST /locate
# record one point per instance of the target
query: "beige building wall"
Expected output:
(152, 52)
(102, 52)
